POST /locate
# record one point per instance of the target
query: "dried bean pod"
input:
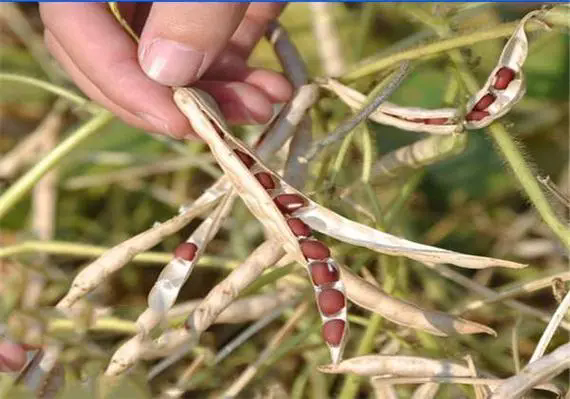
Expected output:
(505, 84)
(406, 118)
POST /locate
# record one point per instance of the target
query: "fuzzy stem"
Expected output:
(19, 189)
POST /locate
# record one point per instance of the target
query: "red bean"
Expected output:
(435, 121)
(484, 102)
(503, 77)
(313, 249)
(476, 115)
(288, 203)
(323, 273)
(265, 180)
(245, 158)
(186, 251)
(299, 228)
(219, 131)
(330, 301)
(333, 331)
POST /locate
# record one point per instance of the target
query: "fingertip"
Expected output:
(272, 83)
(12, 356)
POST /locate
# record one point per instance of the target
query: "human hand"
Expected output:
(205, 45)
(12, 356)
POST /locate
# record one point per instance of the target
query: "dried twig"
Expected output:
(534, 373)
(326, 35)
(346, 127)
(551, 328)
(248, 374)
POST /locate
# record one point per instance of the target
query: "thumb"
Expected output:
(180, 41)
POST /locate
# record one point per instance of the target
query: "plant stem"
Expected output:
(52, 88)
(93, 251)
(469, 39)
(19, 189)
(527, 180)
(351, 383)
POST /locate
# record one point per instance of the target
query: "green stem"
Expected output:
(351, 384)
(93, 251)
(52, 88)
(19, 189)
(527, 180)
(433, 49)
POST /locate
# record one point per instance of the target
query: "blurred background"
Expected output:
(121, 180)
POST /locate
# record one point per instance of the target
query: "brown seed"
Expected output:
(288, 203)
(330, 301)
(333, 331)
(219, 131)
(313, 249)
(265, 180)
(323, 273)
(484, 102)
(245, 158)
(186, 251)
(435, 121)
(476, 115)
(299, 228)
(503, 77)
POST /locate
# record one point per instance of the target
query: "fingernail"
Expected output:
(159, 124)
(170, 63)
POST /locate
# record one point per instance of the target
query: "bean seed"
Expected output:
(435, 121)
(476, 115)
(484, 102)
(245, 158)
(333, 331)
(288, 203)
(503, 77)
(323, 273)
(265, 180)
(186, 251)
(330, 301)
(313, 249)
(299, 228)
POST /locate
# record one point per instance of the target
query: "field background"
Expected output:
(470, 203)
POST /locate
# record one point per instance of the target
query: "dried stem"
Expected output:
(248, 374)
(346, 127)
(534, 373)
(551, 328)
(327, 39)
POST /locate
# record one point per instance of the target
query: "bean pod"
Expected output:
(324, 273)
(505, 85)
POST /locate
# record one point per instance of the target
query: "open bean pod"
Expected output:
(289, 216)
(441, 121)
(173, 276)
(272, 203)
(505, 85)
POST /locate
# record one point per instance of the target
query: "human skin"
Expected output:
(203, 45)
